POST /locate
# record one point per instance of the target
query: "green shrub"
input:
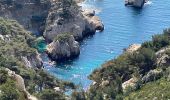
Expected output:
(144, 59)
(48, 94)
(64, 37)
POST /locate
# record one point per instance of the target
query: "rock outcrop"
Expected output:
(152, 75)
(131, 83)
(163, 59)
(63, 47)
(135, 3)
(132, 48)
(94, 20)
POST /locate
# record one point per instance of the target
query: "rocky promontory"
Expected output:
(63, 47)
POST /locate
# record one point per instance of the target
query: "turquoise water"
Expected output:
(123, 26)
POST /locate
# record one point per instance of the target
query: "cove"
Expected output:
(123, 26)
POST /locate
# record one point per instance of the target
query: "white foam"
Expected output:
(86, 6)
(148, 3)
(76, 75)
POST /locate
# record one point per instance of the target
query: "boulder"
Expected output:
(135, 3)
(131, 83)
(63, 49)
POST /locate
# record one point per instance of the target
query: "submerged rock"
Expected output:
(135, 3)
(63, 47)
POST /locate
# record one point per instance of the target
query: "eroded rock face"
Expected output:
(135, 3)
(61, 50)
(95, 21)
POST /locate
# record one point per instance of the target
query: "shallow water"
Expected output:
(123, 26)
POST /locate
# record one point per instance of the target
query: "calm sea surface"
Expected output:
(123, 26)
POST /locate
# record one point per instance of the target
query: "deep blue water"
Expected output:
(123, 26)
